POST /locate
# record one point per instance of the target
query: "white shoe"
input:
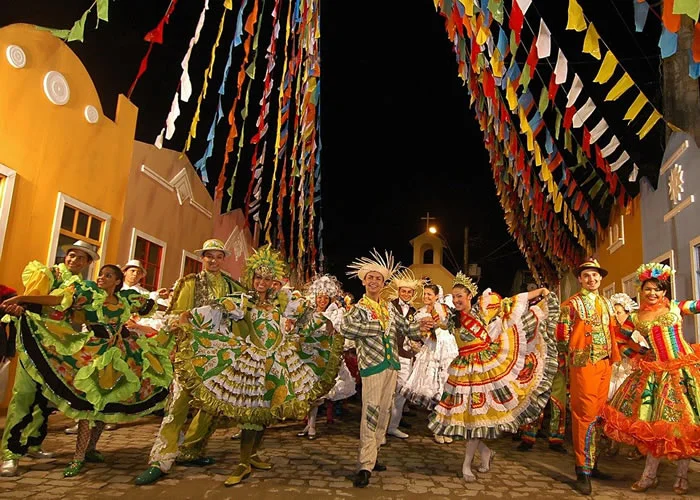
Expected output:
(9, 468)
(397, 433)
(439, 439)
(448, 440)
(41, 453)
(72, 430)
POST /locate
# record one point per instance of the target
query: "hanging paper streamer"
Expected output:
(641, 9)
(77, 31)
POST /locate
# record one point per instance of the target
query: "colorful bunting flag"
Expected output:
(576, 19)
(607, 68)
(622, 86)
(591, 43)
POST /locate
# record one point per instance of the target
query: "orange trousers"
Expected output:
(588, 394)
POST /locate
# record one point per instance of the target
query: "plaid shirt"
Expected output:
(374, 327)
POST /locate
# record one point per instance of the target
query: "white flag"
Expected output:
(561, 70)
(544, 41)
(576, 88)
(582, 114)
(620, 161)
(610, 148)
(598, 130)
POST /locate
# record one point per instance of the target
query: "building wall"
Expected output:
(47, 149)
(231, 229)
(166, 200)
(620, 251)
(676, 233)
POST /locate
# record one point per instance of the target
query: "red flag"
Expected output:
(516, 21)
(569, 116)
(532, 56)
(553, 87)
(586, 141)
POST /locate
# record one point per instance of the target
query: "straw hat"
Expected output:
(134, 263)
(212, 244)
(84, 247)
(592, 264)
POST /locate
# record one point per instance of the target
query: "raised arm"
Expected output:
(689, 306)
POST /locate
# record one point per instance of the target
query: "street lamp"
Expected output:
(432, 230)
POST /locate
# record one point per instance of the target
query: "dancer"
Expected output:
(587, 332)
(425, 384)
(374, 327)
(502, 376)
(404, 286)
(656, 407)
(193, 290)
(27, 413)
(262, 379)
(317, 332)
(85, 364)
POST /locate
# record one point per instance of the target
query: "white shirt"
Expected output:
(404, 307)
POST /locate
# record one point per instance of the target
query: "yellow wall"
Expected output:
(628, 257)
(153, 208)
(53, 148)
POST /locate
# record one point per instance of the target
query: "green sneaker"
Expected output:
(74, 468)
(149, 476)
(94, 457)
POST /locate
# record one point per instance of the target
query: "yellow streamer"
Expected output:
(468, 6)
(636, 107)
(607, 68)
(620, 87)
(651, 121)
(576, 21)
(591, 42)
(511, 97)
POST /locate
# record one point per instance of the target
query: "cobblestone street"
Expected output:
(417, 468)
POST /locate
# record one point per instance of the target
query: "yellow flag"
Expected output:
(620, 87)
(651, 121)
(607, 68)
(530, 139)
(483, 35)
(576, 21)
(510, 96)
(538, 155)
(558, 200)
(468, 6)
(636, 107)
(546, 174)
(590, 43)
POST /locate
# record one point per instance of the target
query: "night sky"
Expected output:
(398, 136)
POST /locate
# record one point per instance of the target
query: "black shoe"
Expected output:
(517, 436)
(558, 447)
(600, 475)
(524, 446)
(197, 462)
(583, 483)
(361, 479)
(404, 424)
(379, 467)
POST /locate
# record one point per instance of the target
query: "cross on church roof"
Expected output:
(427, 220)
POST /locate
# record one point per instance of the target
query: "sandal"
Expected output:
(485, 467)
(680, 487)
(74, 468)
(644, 484)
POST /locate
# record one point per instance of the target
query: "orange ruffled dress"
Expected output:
(657, 408)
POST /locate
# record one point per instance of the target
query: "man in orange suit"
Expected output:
(587, 333)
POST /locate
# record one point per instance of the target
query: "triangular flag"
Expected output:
(607, 68)
(651, 121)
(623, 84)
(598, 130)
(582, 114)
(668, 43)
(576, 21)
(576, 87)
(561, 69)
(610, 148)
(633, 174)
(544, 101)
(690, 8)
(524, 5)
(636, 107)
(544, 41)
(619, 162)
(641, 9)
(672, 22)
(591, 42)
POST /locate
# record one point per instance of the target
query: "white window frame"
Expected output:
(609, 290)
(616, 235)
(695, 263)
(671, 256)
(136, 233)
(631, 277)
(9, 188)
(63, 200)
(186, 254)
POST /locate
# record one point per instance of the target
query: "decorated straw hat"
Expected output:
(382, 264)
(84, 247)
(212, 245)
(591, 264)
(645, 272)
(266, 262)
(133, 263)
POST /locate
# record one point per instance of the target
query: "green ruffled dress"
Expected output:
(87, 364)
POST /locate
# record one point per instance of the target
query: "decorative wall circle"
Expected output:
(56, 88)
(91, 114)
(16, 56)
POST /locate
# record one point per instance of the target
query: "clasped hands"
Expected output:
(426, 324)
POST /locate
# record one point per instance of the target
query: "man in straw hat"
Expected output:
(27, 414)
(403, 286)
(587, 333)
(193, 290)
(374, 326)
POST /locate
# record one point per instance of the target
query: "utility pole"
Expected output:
(466, 250)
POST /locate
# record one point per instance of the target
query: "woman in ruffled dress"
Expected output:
(503, 373)
(238, 363)
(429, 373)
(87, 364)
(656, 407)
(318, 335)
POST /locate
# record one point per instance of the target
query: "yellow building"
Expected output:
(620, 250)
(427, 260)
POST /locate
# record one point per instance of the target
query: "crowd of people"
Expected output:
(255, 352)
